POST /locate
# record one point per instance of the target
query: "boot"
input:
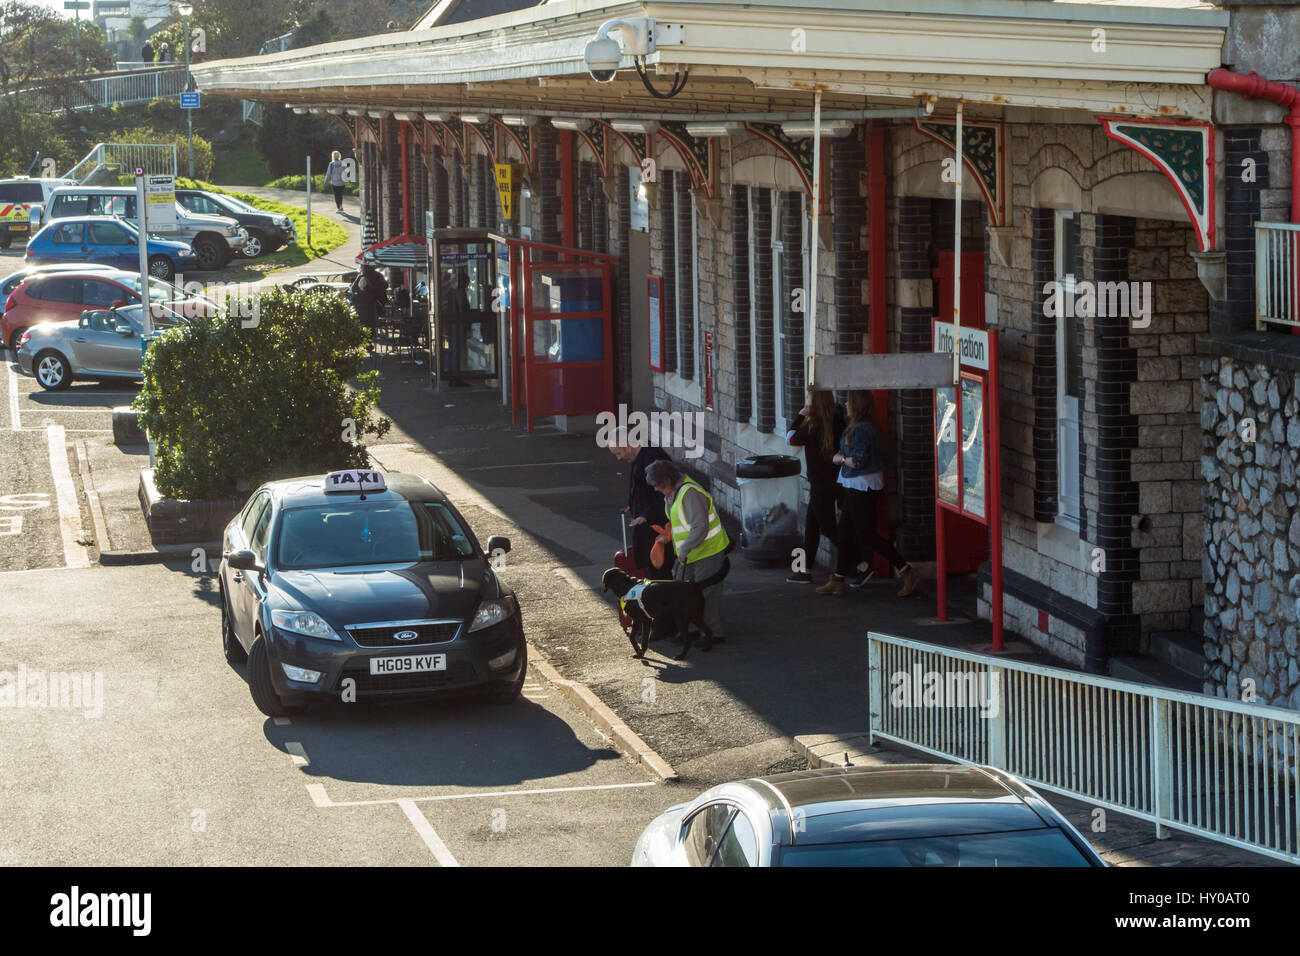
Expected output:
(833, 586)
(910, 580)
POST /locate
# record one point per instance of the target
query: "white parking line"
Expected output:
(427, 833)
(15, 421)
(297, 752)
(322, 799)
(74, 555)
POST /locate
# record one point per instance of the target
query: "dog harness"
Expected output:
(634, 594)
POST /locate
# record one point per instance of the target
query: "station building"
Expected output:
(1110, 196)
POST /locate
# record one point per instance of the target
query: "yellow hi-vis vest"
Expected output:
(715, 542)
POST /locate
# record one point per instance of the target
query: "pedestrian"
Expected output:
(334, 174)
(146, 52)
(371, 289)
(862, 474)
(645, 506)
(166, 51)
(817, 429)
(401, 298)
(698, 536)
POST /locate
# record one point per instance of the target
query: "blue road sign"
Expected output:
(189, 101)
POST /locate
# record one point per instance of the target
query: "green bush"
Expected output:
(229, 407)
(318, 184)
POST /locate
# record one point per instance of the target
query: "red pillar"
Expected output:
(877, 316)
(403, 129)
(994, 490)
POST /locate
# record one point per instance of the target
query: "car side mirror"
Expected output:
(498, 544)
(124, 330)
(241, 560)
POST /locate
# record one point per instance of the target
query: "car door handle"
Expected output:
(237, 576)
(78, 340)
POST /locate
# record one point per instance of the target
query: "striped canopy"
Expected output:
(399, 252)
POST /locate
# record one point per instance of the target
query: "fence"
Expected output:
(1277, 273)
(158, 159)
(112, 89)
(1217, 768)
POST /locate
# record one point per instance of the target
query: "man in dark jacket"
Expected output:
(371, 290)
(645, 506)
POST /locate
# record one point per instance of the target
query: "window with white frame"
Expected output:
(686, 253)
(1068, 364)
(753, 314)
(779, 305)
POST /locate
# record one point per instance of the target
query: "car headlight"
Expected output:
(308, 623)
(492, 613)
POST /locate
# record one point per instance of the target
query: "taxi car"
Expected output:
(360, 586)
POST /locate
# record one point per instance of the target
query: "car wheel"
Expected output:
(259, 682)
(161, 267)
(509, 693)
(52, 371)
(210, 257)
(13, 340)
(255, 246)
(234, 651)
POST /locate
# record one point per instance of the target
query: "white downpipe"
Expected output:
(956, 262)
(810, 295)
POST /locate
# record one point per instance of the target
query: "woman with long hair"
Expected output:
(817, 429)
(862, 475)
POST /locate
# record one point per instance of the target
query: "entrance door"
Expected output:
(638, 249)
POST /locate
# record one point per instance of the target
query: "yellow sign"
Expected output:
(510, 179)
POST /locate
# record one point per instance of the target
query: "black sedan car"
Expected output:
(267, 232)
(892, 815)
(360, 586)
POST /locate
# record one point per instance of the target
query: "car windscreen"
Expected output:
(354, 532)
(159, 291)
(238, 204)
(1042, 847)
(21, 192)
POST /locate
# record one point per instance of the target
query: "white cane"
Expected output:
(623, 520)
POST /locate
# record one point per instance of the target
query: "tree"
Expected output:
(285, 139)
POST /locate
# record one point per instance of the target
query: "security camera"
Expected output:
(602, 57)
(603, 53)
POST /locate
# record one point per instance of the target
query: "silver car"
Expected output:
(102, 344)
(893, 815)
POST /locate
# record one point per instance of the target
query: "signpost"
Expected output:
(77, 6)
(160, 197)
(308, 200)
(509, 182)
(190, 101)
(141, 203)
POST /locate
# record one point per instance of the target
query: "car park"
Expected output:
(361, 586)
(103, 344)
(215, 239)
(20, 197)
(65, 295)
(105, 240)
(15, 279)
(886, 815)
(267, 231)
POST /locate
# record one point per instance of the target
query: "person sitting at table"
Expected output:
(401, 298)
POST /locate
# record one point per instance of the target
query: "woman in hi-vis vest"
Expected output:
(698, 535)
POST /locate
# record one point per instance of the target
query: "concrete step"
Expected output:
(1150, 670)
(1181, 650)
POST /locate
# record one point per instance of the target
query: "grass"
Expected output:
(241, 166)
(299, 181)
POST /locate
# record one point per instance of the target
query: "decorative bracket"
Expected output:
(598, 142)
(1002, 238)
(710, 207)
(453, 136)
(486, 137)
(1184, 152)
(524, 143)
(640, 144)
(698, 152)
(798, 150)
(983, 153)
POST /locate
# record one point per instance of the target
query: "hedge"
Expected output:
(229, 407)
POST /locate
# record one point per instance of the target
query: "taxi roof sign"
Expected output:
(355, 480)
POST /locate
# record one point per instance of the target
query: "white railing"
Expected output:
(1277, 273)
(113, 89)
(252, 111)
(1217, 768)
(158, 159)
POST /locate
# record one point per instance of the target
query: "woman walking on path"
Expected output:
(334, 175)
(817, 429)
(862, 474)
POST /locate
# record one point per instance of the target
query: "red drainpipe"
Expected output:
(1250, 85)
(406, 182)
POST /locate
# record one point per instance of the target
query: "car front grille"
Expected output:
(384, 635)
(458, 673)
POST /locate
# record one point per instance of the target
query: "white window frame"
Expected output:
(1068, 506)
(778, 310)
(753, 316)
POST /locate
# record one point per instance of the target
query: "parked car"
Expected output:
(216, 239)
(107, 241)
(267, 231)
(892, 815)
(363, 583)
(15, 279)
(102, 344)
(20, 196)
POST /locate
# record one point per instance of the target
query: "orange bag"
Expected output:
(657, 549)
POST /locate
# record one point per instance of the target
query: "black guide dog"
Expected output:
(662, 602)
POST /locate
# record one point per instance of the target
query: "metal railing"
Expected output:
(1217, 768)
(1277, 274)
(158, 159)
(112, 89)
(252, 111)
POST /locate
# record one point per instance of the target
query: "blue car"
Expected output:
(106, 240)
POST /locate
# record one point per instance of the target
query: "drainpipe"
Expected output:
(1250, 85)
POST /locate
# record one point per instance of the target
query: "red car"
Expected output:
(63, 296)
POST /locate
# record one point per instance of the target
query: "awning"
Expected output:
(400, 252)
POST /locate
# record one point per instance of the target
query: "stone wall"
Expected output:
(1251, 561)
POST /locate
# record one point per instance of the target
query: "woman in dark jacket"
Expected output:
(817, 430)
(862, 474)
(645, 509)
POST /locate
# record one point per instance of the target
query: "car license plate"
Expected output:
(409, 664)
(17, 227)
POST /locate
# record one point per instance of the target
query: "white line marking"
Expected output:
(14, 420)
(318, 795)
(427, 833)
(498, 793)
(66, 494)
(281, 721)
(297, 752)
(575, 582)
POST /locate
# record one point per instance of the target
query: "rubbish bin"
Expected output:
(769, 507)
